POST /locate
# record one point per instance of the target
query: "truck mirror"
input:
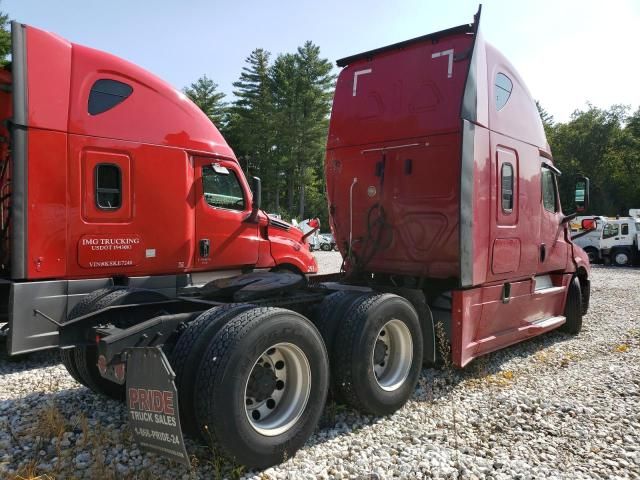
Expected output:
(256, 188)
(582, 194)
(588, 224)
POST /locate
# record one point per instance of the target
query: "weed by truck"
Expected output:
(442, 197)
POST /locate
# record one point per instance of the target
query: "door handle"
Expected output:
(408, 166)
(204, 247)
(506, 293)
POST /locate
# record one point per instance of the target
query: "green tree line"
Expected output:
(604, 145)
(277, 125)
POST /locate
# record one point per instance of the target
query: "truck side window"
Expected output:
(610, 230)
(625, 229)
(549, 199)
(222, 190)
(106, 94)
(108, 179)
(503, 89)
(507, 187)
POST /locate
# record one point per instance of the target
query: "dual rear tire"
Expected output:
(255, 380)
(377, 354)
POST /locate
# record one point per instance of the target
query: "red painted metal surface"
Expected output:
(158, 139)
(414, 169)
(482, 322)
(395, 129)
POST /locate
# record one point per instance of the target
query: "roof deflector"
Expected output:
(466, 28)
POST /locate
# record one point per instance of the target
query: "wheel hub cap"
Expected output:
(392, 355)
(262, 383)
(277, 389)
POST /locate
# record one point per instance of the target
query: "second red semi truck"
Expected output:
(121, 203)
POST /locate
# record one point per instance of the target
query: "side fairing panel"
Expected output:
(518, 117)
(49, 77)
(154, 112)
(475, 219)
(47, 207)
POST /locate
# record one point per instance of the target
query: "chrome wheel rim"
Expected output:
(277, 389)
(392, 355)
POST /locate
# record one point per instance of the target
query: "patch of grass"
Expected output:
(501, 379)
(331, 411)
(444, 348)
(83, 423)
(622, 348)
(568, 358)
(543, 356)
(554, 357)
(99, 442)
(50, 422)
(30, 472)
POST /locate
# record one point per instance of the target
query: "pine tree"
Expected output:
(303, 86)
(5, 38)
(316, 90)
(252, 129)
(547, 121)
(203, 92)
(285, 87)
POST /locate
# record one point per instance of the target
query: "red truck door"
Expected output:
(552, 243)
(223, 201)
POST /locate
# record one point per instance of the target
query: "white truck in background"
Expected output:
(611, 240)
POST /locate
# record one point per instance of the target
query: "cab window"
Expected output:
(507, 187)
(503, 88)
(221, 188)
(549, 194)
(108, 181)
(625, 229)
(610, 230)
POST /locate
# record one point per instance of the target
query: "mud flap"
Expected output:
(152, 401)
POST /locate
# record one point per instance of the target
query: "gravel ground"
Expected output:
(554, 407)
(328, 262)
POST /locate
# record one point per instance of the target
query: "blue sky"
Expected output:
(569, 52)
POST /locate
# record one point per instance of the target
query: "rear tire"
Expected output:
(188, 352)
(67, 357)
(325, 247)
(331, 312)
(236, 379)
(83, 307)
(592, 253)
(86, 356)
(573, 309)
(621, 258)
(377, 355)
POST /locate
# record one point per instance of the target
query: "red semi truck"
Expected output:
(119, 194)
